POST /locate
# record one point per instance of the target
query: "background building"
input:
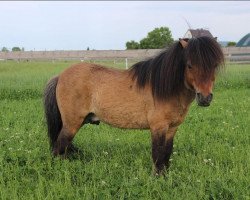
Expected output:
(192, 33)
(244, 42)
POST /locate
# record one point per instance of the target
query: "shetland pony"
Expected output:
(153, 94)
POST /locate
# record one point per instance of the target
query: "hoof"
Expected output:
(57, 152)
(159, 172)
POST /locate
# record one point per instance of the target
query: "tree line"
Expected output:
(5, 49)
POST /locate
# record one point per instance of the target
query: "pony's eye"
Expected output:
(189, 66)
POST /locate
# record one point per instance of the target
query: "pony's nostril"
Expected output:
(209, 97)
(198, 95)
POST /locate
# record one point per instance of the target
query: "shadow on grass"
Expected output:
(109, 151)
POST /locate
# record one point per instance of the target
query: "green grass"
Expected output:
(211, 158)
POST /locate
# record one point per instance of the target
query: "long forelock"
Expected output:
(205, 53)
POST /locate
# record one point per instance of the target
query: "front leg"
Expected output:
(162, 146)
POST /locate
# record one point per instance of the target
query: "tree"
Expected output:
(231, 44)
(132, 45)
(156, 39)
(87, 48)
(16, 49)
(4, 49)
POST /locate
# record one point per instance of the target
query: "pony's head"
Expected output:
(187, 63)
(202, 58)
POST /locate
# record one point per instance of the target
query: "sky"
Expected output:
(103, 25)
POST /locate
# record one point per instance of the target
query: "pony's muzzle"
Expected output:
(204, 100)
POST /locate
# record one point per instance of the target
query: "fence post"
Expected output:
(126, 61)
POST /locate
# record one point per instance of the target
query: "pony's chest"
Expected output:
(178, 116)
(176, 121)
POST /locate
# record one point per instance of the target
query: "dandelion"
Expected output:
(103, 183)
(208, 161)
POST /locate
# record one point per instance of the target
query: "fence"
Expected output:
(231, 54)
(237, 53)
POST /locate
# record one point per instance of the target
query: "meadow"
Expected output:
(211, 158)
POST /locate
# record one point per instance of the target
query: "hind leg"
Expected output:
(63, 141)
(67, 133)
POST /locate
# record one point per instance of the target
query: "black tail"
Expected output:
(52, 113)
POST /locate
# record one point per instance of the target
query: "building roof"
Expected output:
(192, 33)
(244, 42)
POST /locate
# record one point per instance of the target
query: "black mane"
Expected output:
(165, 72)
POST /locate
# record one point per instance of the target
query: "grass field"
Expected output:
(211, 158)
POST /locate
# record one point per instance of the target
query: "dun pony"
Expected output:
(153, 94)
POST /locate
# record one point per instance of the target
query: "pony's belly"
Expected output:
(126, 124)
(130, 120)
(130, 125)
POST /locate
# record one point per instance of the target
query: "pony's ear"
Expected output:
(183, 42)
(215, 38)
